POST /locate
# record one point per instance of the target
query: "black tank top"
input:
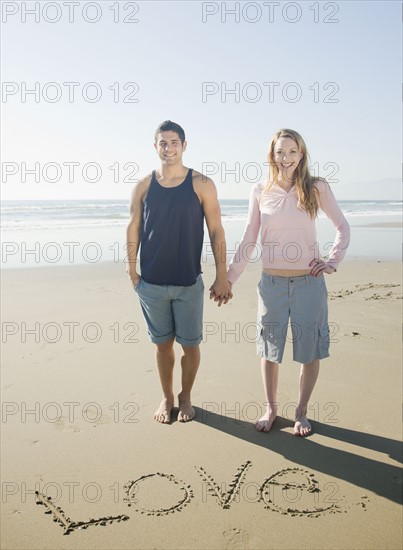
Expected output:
(172, 234)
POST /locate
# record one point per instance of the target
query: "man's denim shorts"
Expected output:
(173, 311)
(302, 301)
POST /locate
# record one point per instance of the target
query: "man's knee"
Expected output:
(165, 347)
(191, 350)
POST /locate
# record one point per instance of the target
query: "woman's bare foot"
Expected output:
(163, 413)
(186, 411)
(265, 423)
(302, 426)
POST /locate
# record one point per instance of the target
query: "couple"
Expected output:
(167, 213)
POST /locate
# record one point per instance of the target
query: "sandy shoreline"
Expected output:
(86, 372)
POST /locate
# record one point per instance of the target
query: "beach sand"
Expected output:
(80, 389)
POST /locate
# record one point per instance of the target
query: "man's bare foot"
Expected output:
(163, 413)
(265, 423)
(186, 411)
(302, 426)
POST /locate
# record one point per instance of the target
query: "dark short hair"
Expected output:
(169, 126)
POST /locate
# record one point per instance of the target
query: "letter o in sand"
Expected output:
(164, 486)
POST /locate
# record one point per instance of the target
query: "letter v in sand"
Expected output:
(225, 498)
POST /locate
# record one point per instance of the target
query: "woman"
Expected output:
(292, 287)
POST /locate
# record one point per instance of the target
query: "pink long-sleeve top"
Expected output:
(287, 233)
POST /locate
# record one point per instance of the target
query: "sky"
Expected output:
(103, 75)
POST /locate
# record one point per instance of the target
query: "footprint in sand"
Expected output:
(88, 414)
(63, 424)
(369, 286)
(236, 539)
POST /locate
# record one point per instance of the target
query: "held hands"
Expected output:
(320, 267)
(220, 291)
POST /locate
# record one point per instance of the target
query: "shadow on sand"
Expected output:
(383, 479)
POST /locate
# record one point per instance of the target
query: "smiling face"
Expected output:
(286, 156)
(169, 148)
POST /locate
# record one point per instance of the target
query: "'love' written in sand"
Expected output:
(274, 492)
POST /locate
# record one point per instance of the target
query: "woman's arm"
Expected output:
(242, 254)
(328, 204)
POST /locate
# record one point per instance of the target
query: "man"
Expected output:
(167, 214)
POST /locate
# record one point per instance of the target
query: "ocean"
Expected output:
(67, 232)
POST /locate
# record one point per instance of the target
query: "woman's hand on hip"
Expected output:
(319, 267)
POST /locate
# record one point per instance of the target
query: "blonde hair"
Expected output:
(302, 179)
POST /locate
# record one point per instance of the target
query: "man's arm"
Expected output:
(207, 192)
(133, 232)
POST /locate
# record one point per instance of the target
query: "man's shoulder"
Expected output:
(145, 180)
(141, 187)
(201, 179)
